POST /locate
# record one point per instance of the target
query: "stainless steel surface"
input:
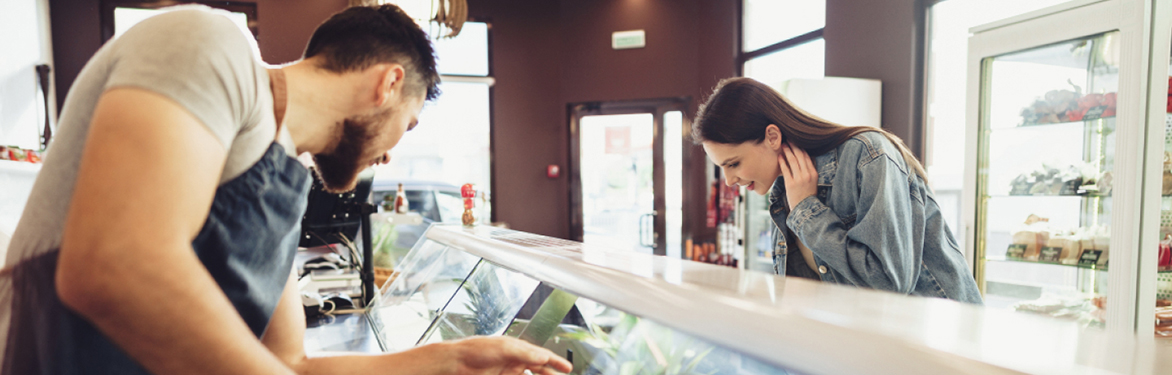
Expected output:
(341, 333)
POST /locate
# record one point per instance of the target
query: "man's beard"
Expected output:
(338, 169)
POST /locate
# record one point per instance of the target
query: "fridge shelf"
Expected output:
(1005, 196)
(1087, 267)
(1096, 268)
(1051, 126)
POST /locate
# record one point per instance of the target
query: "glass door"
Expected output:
(1046, 153)
(616, 170)
(626, 180)
(1163, 313)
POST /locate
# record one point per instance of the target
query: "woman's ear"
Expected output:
(773, 137)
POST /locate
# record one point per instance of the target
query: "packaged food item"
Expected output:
(1164, 317)
(1028, 242)
(1085, 241)
(1166, 186)
(1098, 253)
(1164, 262)
(17, 154)
(4, 153)
(33, 156)
(1104, 184)
(1023, 242)
(1060, 247)
(1103, 242)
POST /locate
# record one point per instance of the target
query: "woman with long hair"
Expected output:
(850, 203)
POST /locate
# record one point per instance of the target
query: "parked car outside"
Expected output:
(437, 202)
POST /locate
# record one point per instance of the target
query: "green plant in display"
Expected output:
(643, 349)
(487, 303)
(384, 245)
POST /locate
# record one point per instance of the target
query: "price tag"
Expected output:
(1050, 254)
(1016, 251)
(1094, 113)
(1089, 257)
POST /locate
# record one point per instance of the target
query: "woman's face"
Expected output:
(751, 164)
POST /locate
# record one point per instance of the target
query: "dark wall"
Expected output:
(286, 25)
(547, 55)
(283, 28)
(529, 130)
(878, 39)
(593, 71)
(77, 34)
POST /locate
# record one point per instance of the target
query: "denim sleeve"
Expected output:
(876, 252)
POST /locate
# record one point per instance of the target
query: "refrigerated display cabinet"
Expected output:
(1064, 158)
(619, 312)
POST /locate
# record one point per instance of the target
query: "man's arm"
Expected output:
(144, 188)
(285, 336)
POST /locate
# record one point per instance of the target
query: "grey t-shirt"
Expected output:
(192, 55)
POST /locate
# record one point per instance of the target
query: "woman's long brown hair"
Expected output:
(741, 108)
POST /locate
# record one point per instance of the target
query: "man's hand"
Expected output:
(502, 355)
(477, 355)
(797, 169)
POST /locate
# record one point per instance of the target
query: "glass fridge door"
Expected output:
(1164, 262)
(1045, 154)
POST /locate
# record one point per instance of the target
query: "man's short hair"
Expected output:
(360, 37)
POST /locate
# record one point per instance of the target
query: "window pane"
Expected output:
(467, 53)
(450, 144)
(767, 22)
(803, 61)
(673, 165)
(124, 18)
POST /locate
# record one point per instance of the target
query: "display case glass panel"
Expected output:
(443, 293)
(431, 274)
(484, 305)
(615, 342)
(1045, 160)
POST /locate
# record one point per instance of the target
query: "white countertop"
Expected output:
(811, 326)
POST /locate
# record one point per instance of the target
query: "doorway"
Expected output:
(626, 183)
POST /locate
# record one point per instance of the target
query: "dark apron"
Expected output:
(247, 244)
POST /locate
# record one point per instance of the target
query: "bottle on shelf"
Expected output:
(401, 203)
(468, 192)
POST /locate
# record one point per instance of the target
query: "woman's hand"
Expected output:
(801, 179)
(504, 355)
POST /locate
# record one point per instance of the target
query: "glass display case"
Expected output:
(1064, 162)
(1044, 183)
(444, 293)
(612, 311)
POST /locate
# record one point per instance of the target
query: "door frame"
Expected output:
(657, 108)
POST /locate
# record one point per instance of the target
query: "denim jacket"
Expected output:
(873, 223)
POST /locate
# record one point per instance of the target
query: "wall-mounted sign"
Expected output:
(628, 39)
